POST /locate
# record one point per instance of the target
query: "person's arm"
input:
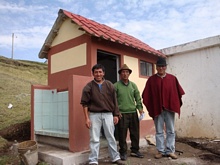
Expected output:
(116, 119)
(86, 115)
(137, 98)
(85, 99)
(116, 113)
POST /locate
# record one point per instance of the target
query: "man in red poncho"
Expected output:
(162, 98)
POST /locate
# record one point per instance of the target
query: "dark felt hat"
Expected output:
(161, 62)
(124, 67)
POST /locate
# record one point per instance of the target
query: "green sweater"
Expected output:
(128, 97)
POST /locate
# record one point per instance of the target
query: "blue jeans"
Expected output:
(168, 118)
(106, 120)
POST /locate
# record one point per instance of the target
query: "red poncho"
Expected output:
(162, 92)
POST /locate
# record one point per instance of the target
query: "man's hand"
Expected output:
(120, 116)
(141, 111)
(115, 119)
(88, 123)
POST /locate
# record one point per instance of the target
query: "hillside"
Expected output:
(16, 78)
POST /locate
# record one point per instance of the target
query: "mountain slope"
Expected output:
(16, 77)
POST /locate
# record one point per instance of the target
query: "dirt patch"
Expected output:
(210, 157)
(19, 132)
(210, 145)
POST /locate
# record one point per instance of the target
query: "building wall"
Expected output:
(69, 54)
(132, 63)
(69, 59)
(196, 65)
(67, 32)
(75, 56)
(78, 132)
(69, 68)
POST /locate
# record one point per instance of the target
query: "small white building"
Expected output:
(196, 65)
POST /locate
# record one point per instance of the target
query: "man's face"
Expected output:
(98, 74)
(125, 74)
(161, 70)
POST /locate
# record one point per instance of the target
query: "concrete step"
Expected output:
(57, 156)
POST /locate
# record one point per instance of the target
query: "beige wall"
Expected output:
(67, 31)
(68, 59)
(132, 63)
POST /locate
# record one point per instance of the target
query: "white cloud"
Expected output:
(158, 23)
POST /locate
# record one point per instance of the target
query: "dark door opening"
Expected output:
(110, 62)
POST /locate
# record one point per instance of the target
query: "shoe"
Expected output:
(119, 162)
(172, 155)
(123, 156)
(158, 155)
(137, 154)
(92, 164)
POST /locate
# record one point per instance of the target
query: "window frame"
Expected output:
(140, 72)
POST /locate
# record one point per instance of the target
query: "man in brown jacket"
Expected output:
(101, 110)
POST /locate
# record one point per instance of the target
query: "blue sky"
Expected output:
(158, 23)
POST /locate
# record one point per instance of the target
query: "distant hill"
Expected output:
(16, 78)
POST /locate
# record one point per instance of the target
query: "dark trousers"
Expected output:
(129, 121)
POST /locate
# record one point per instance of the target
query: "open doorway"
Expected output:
(110, 62)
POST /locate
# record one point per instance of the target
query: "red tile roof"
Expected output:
(108, 33)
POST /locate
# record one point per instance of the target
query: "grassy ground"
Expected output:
(16, 78)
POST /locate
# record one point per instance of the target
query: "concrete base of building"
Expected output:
(58, 156)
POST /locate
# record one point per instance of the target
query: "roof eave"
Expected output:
(157, 53)
(53, 33)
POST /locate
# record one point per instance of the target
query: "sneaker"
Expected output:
(137, 154)
(119, 162)
(123, 156)
(158, 155)
(172, 155)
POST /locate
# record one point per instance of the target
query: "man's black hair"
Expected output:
(98, 66)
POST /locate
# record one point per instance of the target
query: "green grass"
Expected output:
(8, 159)
(3, 142)
(16, 78)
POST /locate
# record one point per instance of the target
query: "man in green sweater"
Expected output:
(129, 101)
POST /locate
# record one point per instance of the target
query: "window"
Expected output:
(146, 68)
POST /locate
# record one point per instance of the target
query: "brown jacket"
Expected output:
(100, 100)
